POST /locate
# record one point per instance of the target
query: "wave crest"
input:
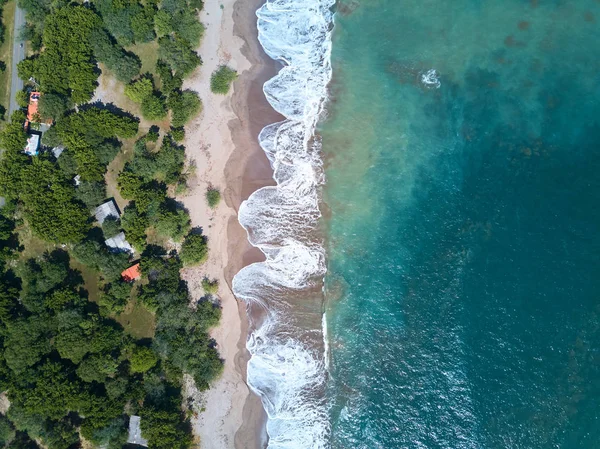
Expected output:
(285, 370)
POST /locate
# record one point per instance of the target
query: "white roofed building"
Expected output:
(33, 143)
(135, 432)
(119, 243)
(106, 210)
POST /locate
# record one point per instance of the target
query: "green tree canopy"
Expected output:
(178, 54)
(194, 249)
(139, 89)
(184, 106)
(66, 66)
(142, 359)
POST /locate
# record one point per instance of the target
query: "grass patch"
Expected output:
(148, 54)
(213, 197)
(90, 279)
(137, 321)
(221, 80)
(8, 14)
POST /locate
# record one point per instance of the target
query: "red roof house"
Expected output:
(132, 273)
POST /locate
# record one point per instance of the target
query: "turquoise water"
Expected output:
(463, 285)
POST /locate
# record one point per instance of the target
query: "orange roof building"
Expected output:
(32, 109)
(132, 273)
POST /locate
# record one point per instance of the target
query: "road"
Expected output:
(16, 84)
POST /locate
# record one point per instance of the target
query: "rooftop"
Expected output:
(118, 242)
(135, 432)
(105, 210)
(33, 144)
(132, 273)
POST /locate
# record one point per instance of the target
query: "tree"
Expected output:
(142, 24)
(22, 98)
(111, 226)
(172, 222)
(7, 431)
(178, 134)
(66, 65)
(96, 368)
(178, 54)
(117, 17)
(221, 80)
(185, 24)
(139, 89)
(52, 106)
(184, 106)
(153, 108)
(135, 224)
(194, 249)
(125, 65)
(27, 342)
(168, 81)
(96, 255)
(130, 184)
(71, 343)
(91, 193)
(116, 296)
(162, 23)
(142, 359)
(165, 428)
(49, 204)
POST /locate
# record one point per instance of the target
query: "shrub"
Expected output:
(213, 197)
(221, 80)
(194, 249)
(178, 134)
(210, 287)
(153, 134)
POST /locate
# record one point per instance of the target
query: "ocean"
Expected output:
(462, 198)
(432, 273)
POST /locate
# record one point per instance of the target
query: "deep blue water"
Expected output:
(463, 235)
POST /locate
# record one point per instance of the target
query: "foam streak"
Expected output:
(286, 372)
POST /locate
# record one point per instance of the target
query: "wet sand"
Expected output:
(222, 146)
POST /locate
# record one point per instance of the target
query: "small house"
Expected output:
(57, 151)
(135, 432)
(132, 273)
(118, 243)
(33, 144)
(33, 115)
(105, 210)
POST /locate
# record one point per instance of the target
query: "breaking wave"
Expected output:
(287, 367)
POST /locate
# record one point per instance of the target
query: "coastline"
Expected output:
(222, 144)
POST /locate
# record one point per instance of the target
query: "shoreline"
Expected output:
(222, 145)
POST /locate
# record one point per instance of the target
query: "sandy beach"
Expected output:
(223, 152)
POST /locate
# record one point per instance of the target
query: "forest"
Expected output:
(71, 367)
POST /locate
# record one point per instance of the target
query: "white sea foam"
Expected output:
(431, 79)
(286, 372)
